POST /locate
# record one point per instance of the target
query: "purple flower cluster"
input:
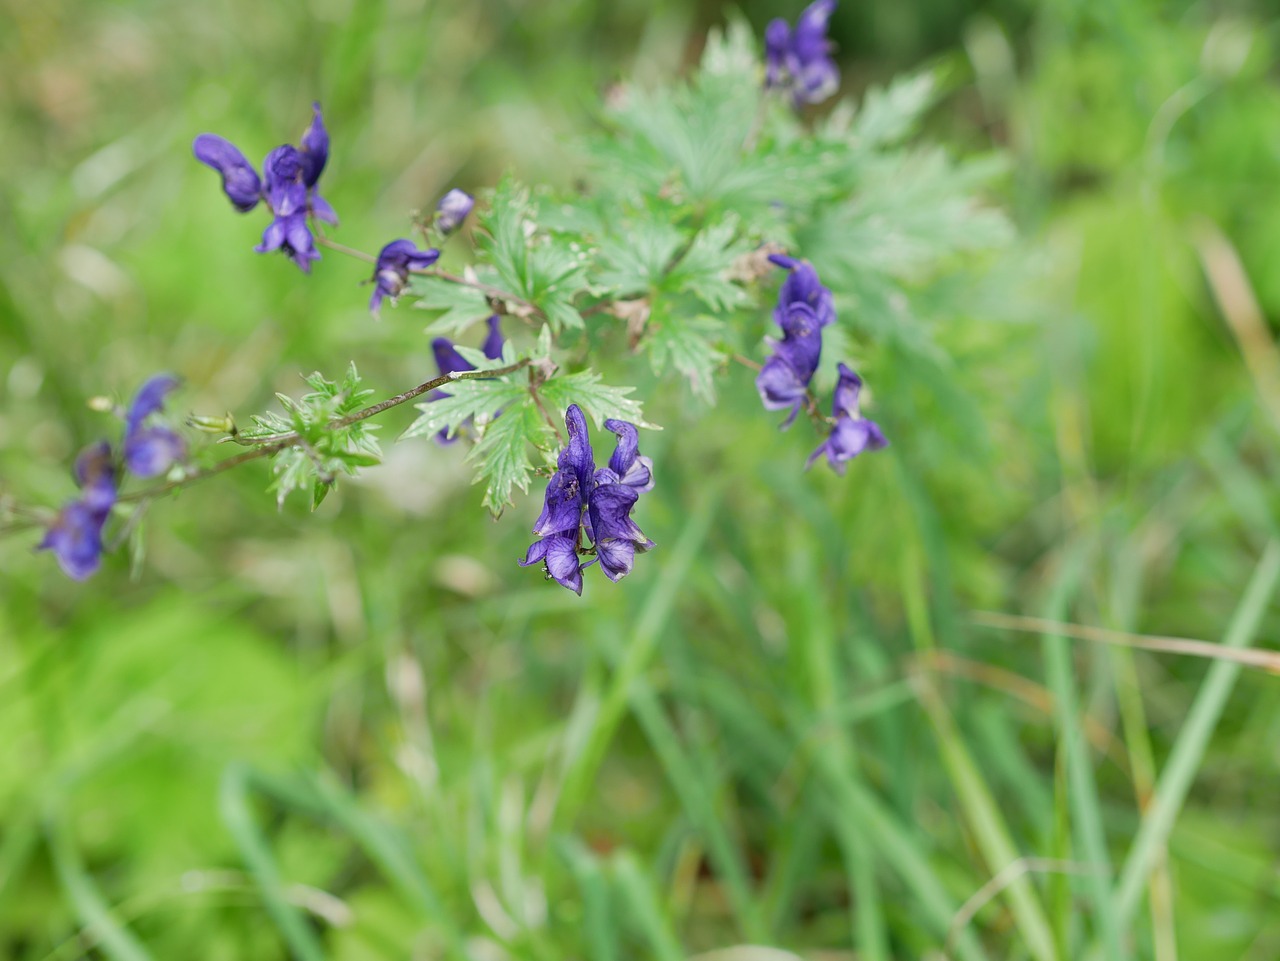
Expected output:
(391, 273)
(148, 449)
(805, 306)
(581, 498)
(288, 186)
(799, 59)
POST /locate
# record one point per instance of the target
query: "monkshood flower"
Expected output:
(391, 273)
(578, 495)
(449, 360)
(453, 210)
(804, 307)
(75, 536)
(852, 433)
(148, 449)
(288, 185)
(799, 59)
(151, 450)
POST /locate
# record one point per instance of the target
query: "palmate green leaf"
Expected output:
(635, 259)
(503, 452)
(461, 305)
(544, 269)
(599, 400)
(686, 344)
(467, 400)
(890, 114)
(704, 269)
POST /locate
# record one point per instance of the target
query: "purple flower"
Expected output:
(800, 59)
(453, 210)
(391, 273)
(580, 498)
(288, 184)
(75, 536)
(149, 451)
(449, 360)
(239, 180)
(852, 433)
(804, 308)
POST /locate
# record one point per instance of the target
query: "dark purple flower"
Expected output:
(852, 433)
(581, 498)
(559, 556)
(493, 343)
(315, 154)
(804, 308)
(800, 59)
(149, 451)
(616, 536)
(391, 273)
(453, 210)
(449, 360)
(239, 180)
(288, 185)
(627, 464)
(75, 536)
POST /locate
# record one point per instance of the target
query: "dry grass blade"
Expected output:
(1266, 660)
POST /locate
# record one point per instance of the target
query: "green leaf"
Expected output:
(704, 269)
(467, 400)
(503, 453)
(890, 114)
(686, 345)
(600, 401)
(462, 306)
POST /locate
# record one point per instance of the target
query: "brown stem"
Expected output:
(278, 444)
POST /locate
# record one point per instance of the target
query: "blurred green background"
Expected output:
(366, 734)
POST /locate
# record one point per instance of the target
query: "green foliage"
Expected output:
(319, 447)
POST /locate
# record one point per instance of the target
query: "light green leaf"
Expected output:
(599, 400)
(467, 399)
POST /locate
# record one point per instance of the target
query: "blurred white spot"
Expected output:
(25, 378)
(94, 270)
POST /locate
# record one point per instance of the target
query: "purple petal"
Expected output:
(559, 554)
(850, 437)
(75, 538)
(577, 455)
(239, 180)
(562, 506)
(152, 451)
(95, 472)
(315, 149)
(493, 343)
(448, 360)
(777, 39)
(631, 469)
(286, 193)
(848, 387)
(149, 400)
(320, 208)
(453, 210)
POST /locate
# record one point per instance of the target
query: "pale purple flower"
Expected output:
(852, 433)
(288, 185)
(799, 59)
(75, 536)
(391, 273)
(151, 450)
(453, 210)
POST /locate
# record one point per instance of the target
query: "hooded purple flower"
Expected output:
(580, 498)
(150, 451)
(453, 210)
(75, 536)
(391, 273)
(852, 433)
(804, 308)
(800, 59)
(288, 185)
(449, 360)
